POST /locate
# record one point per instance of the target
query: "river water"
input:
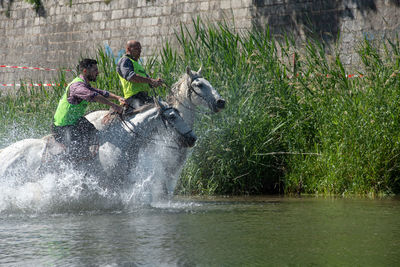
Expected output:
(68, 229)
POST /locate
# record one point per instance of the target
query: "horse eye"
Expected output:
(172, 116)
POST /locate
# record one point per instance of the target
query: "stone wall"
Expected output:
(343, 22)
(59, 34)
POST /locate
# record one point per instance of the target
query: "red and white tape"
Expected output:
(28, 84)
(349, 76)
(28, 68)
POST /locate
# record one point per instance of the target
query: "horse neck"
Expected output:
(139, 126)
(185, 106)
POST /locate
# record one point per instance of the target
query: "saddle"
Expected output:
(111, 116)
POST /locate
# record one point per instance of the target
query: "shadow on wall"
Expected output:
(317, 18)
(37, 6)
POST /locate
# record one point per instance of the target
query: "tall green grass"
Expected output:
(302, 128)
(26, 112)
(318, 132)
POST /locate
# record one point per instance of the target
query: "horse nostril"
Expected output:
(188, 140)
(192, 141)
(220, 103)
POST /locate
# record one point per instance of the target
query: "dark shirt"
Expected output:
(84, 91)
(125, 68)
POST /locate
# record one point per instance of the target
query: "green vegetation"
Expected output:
(319, 132)
(286, 129)
(37, 4)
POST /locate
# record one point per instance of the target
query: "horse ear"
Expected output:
(159, 103)
(189, 72)
(156, 102)
(199, 71)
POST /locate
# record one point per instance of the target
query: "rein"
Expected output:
(122, 119)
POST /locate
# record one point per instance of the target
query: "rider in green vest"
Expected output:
(70, 127)
(136, 84)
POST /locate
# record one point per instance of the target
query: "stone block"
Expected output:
(190, 7)
(117, 33)
(124, 4)
(97, 16)
(102, 25)
(204, 6)
(237, 4)
(141, 3)
(152, 31)
(117, 14)
(137, 12)
(106, 34)
(241, 12)
(166, 10)
(226, 4)
(247, 3)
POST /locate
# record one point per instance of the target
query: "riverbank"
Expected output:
(290, 126)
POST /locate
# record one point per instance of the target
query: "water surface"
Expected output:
(262, 231)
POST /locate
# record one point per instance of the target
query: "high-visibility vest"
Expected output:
(131, 88)
(66, 113)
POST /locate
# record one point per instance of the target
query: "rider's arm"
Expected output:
(126, 70)
(116, 97)
(151, 81)
(101, 99)
(82, 91)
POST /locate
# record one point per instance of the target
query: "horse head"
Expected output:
(194, 90)
(148, 119)
(202, 93)
(172, 118)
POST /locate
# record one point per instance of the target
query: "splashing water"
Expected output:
(151, 182)
(74, 191)
(53, 192)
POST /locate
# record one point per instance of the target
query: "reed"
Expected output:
(27, 111)
(317, 132)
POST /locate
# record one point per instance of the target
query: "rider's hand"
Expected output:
(122, 101)
(118, 109)
(156, 82)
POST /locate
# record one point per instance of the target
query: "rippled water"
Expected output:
(262, 231)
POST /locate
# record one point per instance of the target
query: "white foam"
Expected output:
(71, 191)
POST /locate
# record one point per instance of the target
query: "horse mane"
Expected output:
(180, 89)
(177, 89)
(110, 117)
(142, 109)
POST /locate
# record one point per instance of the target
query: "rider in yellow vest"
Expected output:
(70, 127)
(136, 84)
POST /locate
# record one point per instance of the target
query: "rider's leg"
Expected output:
(62, 135)
(139, 100)
(86, 136)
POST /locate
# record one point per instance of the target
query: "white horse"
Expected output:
(189, 92)
(119, 143)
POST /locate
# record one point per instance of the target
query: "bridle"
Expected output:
(163, 119)
(189, 93)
